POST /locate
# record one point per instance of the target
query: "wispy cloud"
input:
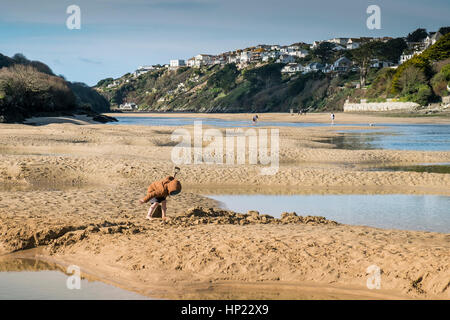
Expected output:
(90, 61)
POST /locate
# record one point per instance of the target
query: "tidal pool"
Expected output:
(29, 279)
(392, 211)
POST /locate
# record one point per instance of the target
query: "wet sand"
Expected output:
(72, 189)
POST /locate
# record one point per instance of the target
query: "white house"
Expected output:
(143, 69)
(408, 55)
(275, 47)
(292, 68)
(232, 58)
(177, 63)
(301, 53)
(339, 41)
(285, 58)
(128, 106)
(203, 60)
(246, 56)
(353, 43)
(432, 38)
(190, 62)
(315, 44)
(265, 56)
(284, 49)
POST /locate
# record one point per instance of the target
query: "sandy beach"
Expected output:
(71, 189)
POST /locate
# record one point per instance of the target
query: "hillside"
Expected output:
(258, 88)
(323, 77)
(30, 88)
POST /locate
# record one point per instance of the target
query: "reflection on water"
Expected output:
(352, 141)
(25, 279)
(393, 211)
(424, 137)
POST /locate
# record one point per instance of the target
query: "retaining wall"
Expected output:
(379, 106)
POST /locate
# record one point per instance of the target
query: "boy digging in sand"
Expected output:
(159, 190)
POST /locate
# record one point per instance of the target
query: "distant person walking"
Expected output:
(332, 118)
(255, 119)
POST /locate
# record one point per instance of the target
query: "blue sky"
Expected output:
(117, 36)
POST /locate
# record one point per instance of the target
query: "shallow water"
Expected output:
(425, 137)
(183, 121)
(406, 212)
(24, 279)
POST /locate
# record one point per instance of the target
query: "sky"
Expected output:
(117, 36)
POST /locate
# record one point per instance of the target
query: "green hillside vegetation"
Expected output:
(422, 79)
(29, 88)
(262, 87)
(221, 89)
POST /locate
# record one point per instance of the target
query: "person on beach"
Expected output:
(158, 191)
(255, 119)
(332, 118)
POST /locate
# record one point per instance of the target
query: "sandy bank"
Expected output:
(73, 190)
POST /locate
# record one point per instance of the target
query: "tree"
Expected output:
(444, 30)
(417, 35)
(363, 56)
(324, 51)
(20, 58)
(411, 79)
(393, 49)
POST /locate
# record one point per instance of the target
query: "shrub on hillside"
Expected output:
(437, 52)
(26, 91)
(441, 80)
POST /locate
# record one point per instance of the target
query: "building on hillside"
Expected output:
(315, 44)
(190, 62)
(406, 55)
(376, 63)
(142, 70)
(432, 38)
(129, 106)
(301, 53)
(339, 41)
(233, 58)
(313, 67)
(338, 47)
(342, 64)
(266, 56)
(203, 60)
(292, 68)
(285, 58)
(275, 47)
(246, 56)
(353, 43)
(177, 63)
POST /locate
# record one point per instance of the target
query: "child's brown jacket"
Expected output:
(162, 188)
